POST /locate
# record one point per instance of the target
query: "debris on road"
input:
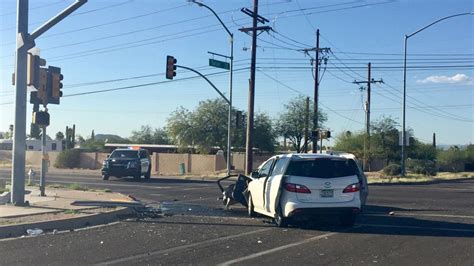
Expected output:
(34, 232)
(235, 193)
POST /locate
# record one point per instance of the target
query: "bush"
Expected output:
(68, 159)
(452, 160)
(392, 169)
(424, 167)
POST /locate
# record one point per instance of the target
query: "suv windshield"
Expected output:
(322, 168)
(124, 154)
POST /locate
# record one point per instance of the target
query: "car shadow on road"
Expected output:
(386, 220)
(468, 180)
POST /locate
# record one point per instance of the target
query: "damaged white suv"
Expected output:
(306, 186)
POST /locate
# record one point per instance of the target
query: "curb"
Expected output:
(9, 231)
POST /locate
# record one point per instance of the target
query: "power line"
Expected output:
(78, 14)
(32, 8)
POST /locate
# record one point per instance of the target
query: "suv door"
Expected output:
(257, 186)
(273, 185)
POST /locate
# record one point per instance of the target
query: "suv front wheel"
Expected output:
(148, 173)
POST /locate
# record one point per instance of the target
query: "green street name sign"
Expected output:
(219, 64)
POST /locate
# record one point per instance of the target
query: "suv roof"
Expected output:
(318, 155)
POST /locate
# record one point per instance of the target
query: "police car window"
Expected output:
(124, 154)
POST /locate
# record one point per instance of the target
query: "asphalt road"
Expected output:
(432, 224)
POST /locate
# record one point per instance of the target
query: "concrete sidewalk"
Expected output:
(63, 209)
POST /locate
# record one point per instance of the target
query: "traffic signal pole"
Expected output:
(43, 163)
(25, 42)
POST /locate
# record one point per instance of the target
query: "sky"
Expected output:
(113, 57)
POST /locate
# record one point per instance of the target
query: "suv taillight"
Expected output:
(352, 188)
(296, 188)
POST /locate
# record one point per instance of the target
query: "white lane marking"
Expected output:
(159, 252)
(426, 215)
(273, 250)
(420, 228)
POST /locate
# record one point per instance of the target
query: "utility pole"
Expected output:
(306, 126)
(434, 140)
(316, 93)
(317, 61)
(24, 42)
(368, 82)
(251, 101)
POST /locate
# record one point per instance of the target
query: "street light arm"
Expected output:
(439, 20)
(215, 14)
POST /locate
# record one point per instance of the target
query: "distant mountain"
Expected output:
(447, 146)
(110, 138)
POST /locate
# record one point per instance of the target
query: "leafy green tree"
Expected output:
(350, 142)
(59, 135)
(384, 140)
(421, 151)
(206, 127)
(264, 134)
(291, 123)
(148, 135)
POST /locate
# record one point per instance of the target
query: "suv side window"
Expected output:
(265, 170)
(143, 154)
(280, 166)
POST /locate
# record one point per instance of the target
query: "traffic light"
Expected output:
(170, 67)
(33, 69)
(40, 96)
(54, 84)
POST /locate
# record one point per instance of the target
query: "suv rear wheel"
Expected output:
(105, 177)
(280, 221)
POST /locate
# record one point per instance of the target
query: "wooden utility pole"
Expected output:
(251, 101)
(316, 93)
(316, 63)
(368, 82)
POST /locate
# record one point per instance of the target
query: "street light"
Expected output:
(229, 119)
(405, 80)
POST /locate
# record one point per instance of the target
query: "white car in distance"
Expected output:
(294, 187)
